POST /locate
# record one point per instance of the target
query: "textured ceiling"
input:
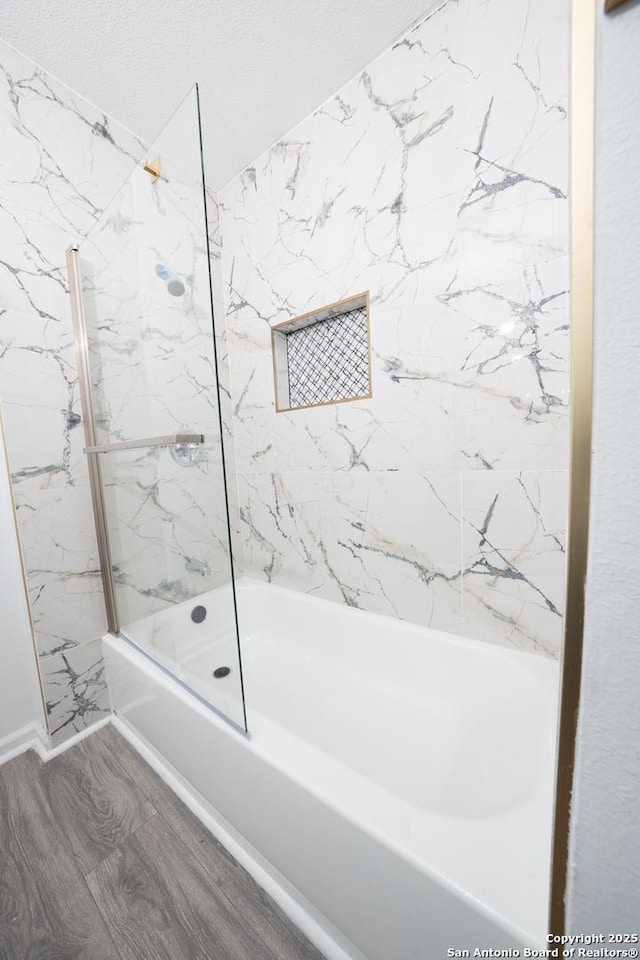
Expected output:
(261, 66)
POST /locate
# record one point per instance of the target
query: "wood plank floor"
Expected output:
(99, 860)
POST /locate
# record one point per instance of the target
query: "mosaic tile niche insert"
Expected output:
(323, 356)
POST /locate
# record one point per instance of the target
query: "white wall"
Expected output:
(20, 702)
(604, 890)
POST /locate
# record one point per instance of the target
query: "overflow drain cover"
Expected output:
(198, 614)
(220, 672)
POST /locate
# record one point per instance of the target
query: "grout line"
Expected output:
(462, 554)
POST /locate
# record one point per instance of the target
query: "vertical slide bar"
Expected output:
(86, 402)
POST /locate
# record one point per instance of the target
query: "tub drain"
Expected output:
(198, 614)
(220, 672)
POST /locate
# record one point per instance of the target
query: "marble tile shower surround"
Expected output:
(61, 162)
(153, 371)
(437, 179)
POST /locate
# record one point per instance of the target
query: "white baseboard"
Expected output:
(290, 901)
(19, 741)
(34, 737)
(46, 753)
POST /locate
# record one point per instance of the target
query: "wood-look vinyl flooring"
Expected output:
(99, 860)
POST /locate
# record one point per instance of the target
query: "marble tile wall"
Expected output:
(223, 371)
(61, 162)
(437, 179)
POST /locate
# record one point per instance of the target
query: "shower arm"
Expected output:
(167, 441)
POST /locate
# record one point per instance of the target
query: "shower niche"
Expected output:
(323, 356)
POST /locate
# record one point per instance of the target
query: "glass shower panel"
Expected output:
(150, 340)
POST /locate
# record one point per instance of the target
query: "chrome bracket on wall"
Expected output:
(86, 402)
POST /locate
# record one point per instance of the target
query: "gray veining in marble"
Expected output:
(61, 162)
(438, 180)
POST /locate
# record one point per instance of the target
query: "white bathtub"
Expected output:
(400, 780)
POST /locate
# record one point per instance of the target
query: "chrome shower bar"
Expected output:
(86, 401)
(167, 441)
